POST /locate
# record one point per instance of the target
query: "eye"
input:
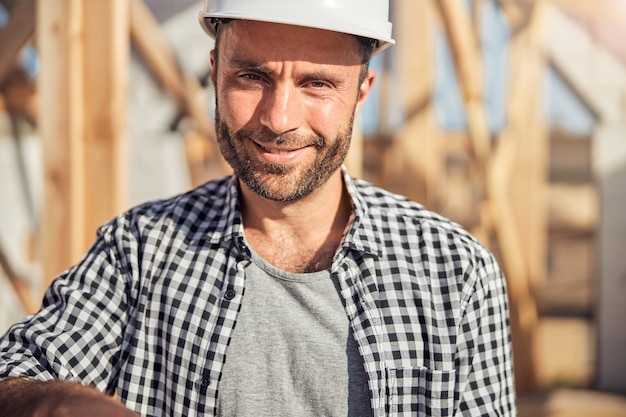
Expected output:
(319, 84)
(251, 76)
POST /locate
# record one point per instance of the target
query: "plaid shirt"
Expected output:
(149, 310)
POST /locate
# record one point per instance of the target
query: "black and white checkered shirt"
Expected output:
(150, 309)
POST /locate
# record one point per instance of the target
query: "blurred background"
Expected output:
(506, 116)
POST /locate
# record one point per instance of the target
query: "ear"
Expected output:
(213, 72)
(364, 90)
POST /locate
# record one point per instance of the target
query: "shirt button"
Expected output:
(230, 294)
(205, 382)
(243, 248)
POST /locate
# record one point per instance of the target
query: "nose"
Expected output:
(281, 109)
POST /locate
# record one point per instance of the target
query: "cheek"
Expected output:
(236, 108)
(325, 117)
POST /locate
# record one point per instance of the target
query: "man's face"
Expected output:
(286, 98)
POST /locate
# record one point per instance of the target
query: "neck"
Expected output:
(302, 235)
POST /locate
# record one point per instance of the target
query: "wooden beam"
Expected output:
(465, 49)
(59, 37)
(520, 194)
(495, 168)
(414, 53)
(15, 34)
(523, 308)
(183, 86)
(156, 51)
(19, 96)
(84, 54)
(106, 63)
(529, 180)
(574, 207)
(515, 14)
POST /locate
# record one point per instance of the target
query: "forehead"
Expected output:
(266, 41)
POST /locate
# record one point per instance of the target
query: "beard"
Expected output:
(279, 182)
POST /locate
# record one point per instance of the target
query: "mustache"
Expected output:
(266, 136)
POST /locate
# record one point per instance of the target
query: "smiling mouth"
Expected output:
(276, 151)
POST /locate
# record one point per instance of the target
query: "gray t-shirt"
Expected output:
(292, 352)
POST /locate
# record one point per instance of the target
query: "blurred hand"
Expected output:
(86, 403)
(20, 397)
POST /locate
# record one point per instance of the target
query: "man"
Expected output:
(288, 289)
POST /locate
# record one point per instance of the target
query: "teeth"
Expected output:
(275, 151)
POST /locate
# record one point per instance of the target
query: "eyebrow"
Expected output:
(316, 74)
(249, 65)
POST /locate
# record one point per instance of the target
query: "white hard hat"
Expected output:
(367, 18)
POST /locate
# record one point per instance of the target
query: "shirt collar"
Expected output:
(229, 225)
(363, 233)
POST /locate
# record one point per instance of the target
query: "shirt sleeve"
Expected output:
(484, 353)
(78, 332)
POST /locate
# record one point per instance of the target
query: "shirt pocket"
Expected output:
(420, 392)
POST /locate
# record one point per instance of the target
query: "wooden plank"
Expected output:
(566, 355)
(18, 96)
(523, 309)
(513, 12)
(184, 88)
(60, 86)
(570, 157)
(573, 207)
(155, 49)
(84, 54)
(413, 28)
(469, 68)
(516, 192)
(572, 286)
(529, 178)
(15, 34)
(496, 167)
(106, 57)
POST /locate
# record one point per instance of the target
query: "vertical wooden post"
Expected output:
(84, 52)
(418, 145)
(59, 37)
(527, 184)
(106, 52)
(497, 167)
(469, 68)
(529, 179)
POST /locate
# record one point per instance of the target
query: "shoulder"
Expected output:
(412, 234)
(397, 214)
(424, 255)
(206, 196)
(193, 212)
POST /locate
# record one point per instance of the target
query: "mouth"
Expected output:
(277, 151)
(280, 155)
